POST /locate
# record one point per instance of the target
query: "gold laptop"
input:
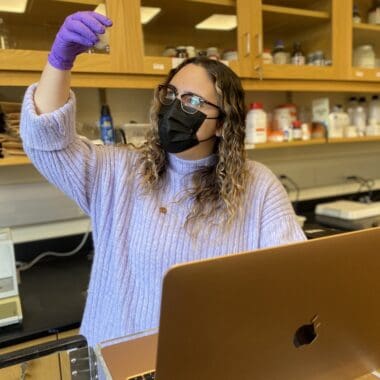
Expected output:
(309, 310)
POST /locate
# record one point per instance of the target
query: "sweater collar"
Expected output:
(181, 166)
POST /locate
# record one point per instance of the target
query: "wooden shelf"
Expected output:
(22, 160)
(288, 144)
(300, 143)
(321, 5)
(364, 74)
(14, 160)
(297, 72)
(82, 2)
(286, 11)
(354, 140)
(367, 27)
(295, 24)
(228, 3)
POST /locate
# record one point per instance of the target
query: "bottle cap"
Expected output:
(105, 110)
(297, 123)
(256, 106)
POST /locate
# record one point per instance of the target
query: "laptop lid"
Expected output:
(309, 310)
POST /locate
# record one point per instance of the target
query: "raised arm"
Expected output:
(48, 115)
(78, 33)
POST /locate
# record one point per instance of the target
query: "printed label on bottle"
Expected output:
(298, 60)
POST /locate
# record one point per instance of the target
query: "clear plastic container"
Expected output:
(135, 133)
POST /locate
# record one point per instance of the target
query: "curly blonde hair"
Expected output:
(218, 189)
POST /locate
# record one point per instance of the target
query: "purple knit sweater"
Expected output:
(135, 243)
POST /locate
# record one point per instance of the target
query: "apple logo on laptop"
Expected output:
(306, 334)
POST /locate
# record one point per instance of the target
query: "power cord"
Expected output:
(22, 266)
(364, 183)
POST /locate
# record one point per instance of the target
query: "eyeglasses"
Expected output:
(190, 103)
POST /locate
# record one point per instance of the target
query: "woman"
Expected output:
(188, 194)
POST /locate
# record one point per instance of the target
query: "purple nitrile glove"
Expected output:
(77, 34)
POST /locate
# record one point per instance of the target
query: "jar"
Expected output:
(364, 56)
(280, 55)
(374, 13)
(213, 53)
(319, 58)
(298, 57)
(4, 35)
(297, 131)
(230, 55)
(190, 51)
(181, 52)
(267, 57)
(310, 59)
(170, 51)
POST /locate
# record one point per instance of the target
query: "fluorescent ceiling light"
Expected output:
(147, 13)
(15, 6)
(218, 22)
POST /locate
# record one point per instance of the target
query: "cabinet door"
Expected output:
(364, 65)
(43, 368)
(312, 24)
(207, 26)
(64, 356)
(29, 35)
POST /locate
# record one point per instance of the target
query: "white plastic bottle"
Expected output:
(256, 124)
(338, 122)
(360, 120)
(374, 110)
(352, 104)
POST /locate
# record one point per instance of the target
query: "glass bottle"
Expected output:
(298, 57)
(374, 13)
(356, 15)
(181, 52)
(4, 35)
(280, 56)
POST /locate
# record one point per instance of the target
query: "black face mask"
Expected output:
(177, 129)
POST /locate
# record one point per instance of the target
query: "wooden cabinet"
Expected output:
(137, 47)
(313, 24)
(32, 34)
(42, 368)
(55, 366)
(360, 34)
(317, 25)
(176, 24)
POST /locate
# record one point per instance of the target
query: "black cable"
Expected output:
(283, 178)
(368, 183)
(293, 183)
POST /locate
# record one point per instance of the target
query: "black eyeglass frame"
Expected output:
(202, 100)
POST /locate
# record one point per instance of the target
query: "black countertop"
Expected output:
(53, 294)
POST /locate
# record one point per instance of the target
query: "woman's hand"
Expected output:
(78, 33)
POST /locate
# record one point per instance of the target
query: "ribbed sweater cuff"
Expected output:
(48, 131)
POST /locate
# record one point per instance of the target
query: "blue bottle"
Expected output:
(107, 131)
